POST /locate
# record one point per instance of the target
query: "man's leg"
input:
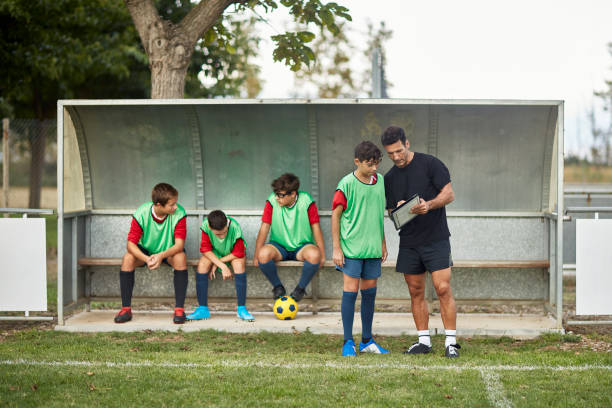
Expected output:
(448, 310)
(311, 255)
(202, 276)
(268, 256)
(126, 284)
(179, 264)
(420, 313)
(240, 280)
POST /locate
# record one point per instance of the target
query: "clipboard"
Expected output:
(402, 215)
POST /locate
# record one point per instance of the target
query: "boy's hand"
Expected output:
(384, 252)
(338, 257)
(421, 208)
(211, 274)
(154, 261)
(255, 260)
(227, 274)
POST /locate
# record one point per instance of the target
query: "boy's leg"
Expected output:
(268, 256)
(371, 273)
(126, 283)
(202, 276)
(311, 255)
(179, 263)
(347, 310)
(240, 279)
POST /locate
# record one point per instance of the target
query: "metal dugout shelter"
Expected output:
(505, 159)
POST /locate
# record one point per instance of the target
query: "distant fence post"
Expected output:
(5, 163)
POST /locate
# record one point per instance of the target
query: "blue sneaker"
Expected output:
(201, 312)
(348, 350)
(244, 314)
(372, 347)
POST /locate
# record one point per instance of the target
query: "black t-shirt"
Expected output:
(425, 175)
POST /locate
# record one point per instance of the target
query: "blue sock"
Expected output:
(269, 269)
(308, 272)
(202, 288)
(347, 310)
(241, 285)
(368, 296)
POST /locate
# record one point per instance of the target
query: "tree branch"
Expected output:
(144, 14)
(202, 17)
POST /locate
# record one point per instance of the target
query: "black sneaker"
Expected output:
(451, 351)
(124, 315)
(418, 348)
(278, 291)
(298, 293)
(179, 315)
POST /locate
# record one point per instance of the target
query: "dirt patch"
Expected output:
(585, 344)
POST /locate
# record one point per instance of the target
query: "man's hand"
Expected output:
(338, 257)
(421, 208)
(154, 261)
(227, 274)
(400, 203)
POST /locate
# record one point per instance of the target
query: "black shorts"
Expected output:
(147, 253)
(431, 257)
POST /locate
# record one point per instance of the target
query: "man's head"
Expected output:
(367, 158)
(394, 141)
(164, 198)
(285, 188)
(217, 221)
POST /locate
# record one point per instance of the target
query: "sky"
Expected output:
(485, 49)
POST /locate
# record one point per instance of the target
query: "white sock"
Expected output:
(424, 337)
(451, 337)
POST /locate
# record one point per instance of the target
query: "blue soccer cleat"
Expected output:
(201, 312)
(244, 314)
(348, 349)
(372, 347)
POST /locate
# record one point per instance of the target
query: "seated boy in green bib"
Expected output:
(292, 219)
(222, 244)
(157, 234)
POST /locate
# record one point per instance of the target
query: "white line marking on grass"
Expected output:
(335, 365)
(495, 389)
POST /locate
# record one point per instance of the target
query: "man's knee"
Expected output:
(443, 289)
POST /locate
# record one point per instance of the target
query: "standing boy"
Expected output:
(292, 219)
(358, 210)
(222, 244)
(157, 234)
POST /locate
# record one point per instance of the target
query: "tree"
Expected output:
(170, 45)
(602, 136)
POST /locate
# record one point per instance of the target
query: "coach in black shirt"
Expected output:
(424, 241)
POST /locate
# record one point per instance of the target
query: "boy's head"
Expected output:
(217, 221)
(285, 188)
(164, 198)
(367, 158)
(398, 148)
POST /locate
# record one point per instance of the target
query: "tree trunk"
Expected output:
(38, 142)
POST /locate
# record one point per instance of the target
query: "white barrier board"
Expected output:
(23, 264)
(594, 267)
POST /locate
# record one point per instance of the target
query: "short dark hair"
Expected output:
(366, 151)
(217, 220)
(162, 193)
(288, 183)
(392, 134)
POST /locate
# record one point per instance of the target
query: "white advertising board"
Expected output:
(23, 264)
(594, 267)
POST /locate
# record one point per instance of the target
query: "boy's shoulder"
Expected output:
(143, 208)
(233, 223)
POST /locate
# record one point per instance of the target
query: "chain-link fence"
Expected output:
(30, 179)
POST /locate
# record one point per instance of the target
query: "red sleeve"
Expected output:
(239, 250)
(135, 232)
(267, 214)
(180, 231)
(205, 245)
(339, 199)
(313, 213)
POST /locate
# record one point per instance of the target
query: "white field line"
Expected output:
(495, 389)
(335, 365)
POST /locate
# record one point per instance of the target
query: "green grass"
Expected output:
(253, 370)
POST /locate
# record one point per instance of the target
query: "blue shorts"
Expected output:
(431, 257)
(288, 255)
(361, 268)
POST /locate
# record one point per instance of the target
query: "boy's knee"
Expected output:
(265, 255)
(204, 265)
(128, 263)
(313, 255)
(239, 265)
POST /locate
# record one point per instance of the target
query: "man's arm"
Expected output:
(318, 237)
(338, 256)
(261, 239)
(444, 197)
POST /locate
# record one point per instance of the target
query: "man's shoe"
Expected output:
(451, 351)
(179, 315)
(418, 348)
(348, 349)
(372, 347)
(124, 315)
(278, 291)
(201, 312)
(298, 293)
(244, 314)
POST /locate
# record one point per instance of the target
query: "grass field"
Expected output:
(210, 368)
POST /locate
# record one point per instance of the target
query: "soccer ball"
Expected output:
(285, 308)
